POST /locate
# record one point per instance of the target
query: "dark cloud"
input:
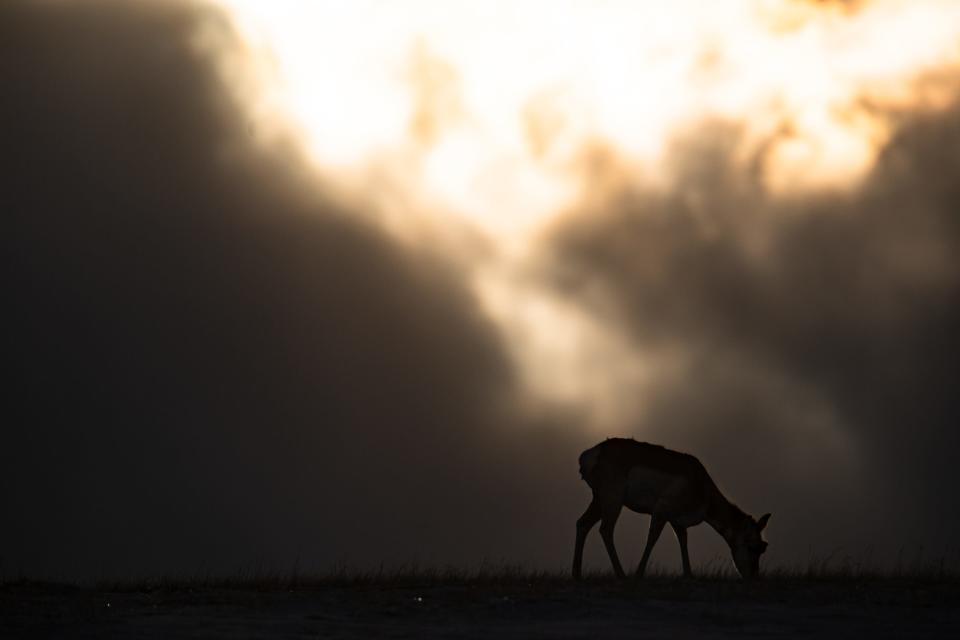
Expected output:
(215, 369)
(810, 343)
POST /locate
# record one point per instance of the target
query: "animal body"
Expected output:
(673, 488)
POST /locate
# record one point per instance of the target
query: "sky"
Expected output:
(308, 284)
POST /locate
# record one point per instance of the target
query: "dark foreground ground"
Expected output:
(535, 607)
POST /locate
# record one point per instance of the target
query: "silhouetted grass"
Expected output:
(827, 569)
(826, 596)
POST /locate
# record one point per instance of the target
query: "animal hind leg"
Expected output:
(684, 555)
(589, 518)
(657, 523)
(610, 511)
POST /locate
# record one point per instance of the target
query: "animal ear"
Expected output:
(762, 522)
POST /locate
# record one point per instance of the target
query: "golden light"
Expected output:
(479, 112)
(488, 104)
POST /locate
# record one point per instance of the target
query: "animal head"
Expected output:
(747, 545)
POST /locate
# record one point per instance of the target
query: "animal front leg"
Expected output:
(656, 526)
(684, 556)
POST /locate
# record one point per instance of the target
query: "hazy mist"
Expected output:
(218, 366)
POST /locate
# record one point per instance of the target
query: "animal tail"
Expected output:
(588, 461)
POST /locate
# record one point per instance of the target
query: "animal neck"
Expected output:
(723, 515)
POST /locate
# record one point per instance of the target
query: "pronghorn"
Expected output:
(670, 486)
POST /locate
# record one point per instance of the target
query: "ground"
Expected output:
(537, 607)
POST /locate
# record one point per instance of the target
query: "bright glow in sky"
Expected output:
(489, 106)
(483, 112)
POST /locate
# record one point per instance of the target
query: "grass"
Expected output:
(820, 594)
(715, 572)
(830, 569)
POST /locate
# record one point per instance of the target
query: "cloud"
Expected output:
(215, 368)
(803, 342)
(219, 369)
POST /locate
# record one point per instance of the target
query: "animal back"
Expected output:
(614, 459)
